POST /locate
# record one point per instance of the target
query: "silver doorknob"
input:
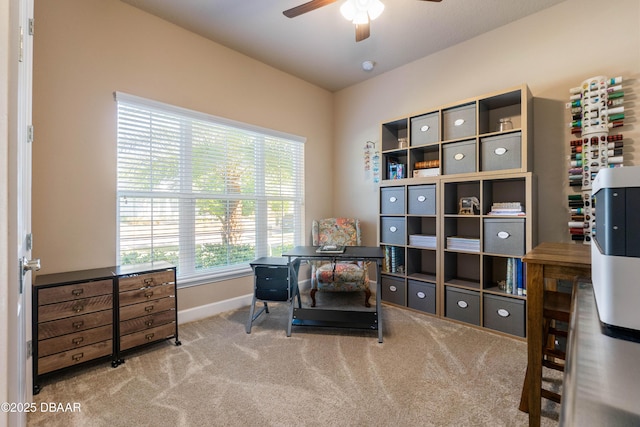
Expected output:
(30, 264)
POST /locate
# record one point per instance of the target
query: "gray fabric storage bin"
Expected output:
(504, 314)
(500, 152)
(425, 129)
(459, 122)
(459, 157)
(393, 290)
(463, 305)
(504, 236)
(392, 200)
(421, 296)
(392, 231)
(422, 199)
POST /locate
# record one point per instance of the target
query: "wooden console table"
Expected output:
(563, 261)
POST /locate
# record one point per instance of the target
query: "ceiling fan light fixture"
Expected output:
(361, 11)
(375, 9)
(361, 17)
(348, 10)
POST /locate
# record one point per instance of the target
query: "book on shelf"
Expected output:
(393, 259)
(462, 243)
(506, 208)
(422, 240)
(330, 249)
(515, 279)
(426, 172)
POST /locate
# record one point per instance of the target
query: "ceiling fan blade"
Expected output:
(362, 31)
(306, 7)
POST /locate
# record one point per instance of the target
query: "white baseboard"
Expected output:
(208, 310)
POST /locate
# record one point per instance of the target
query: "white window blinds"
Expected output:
(204, 193)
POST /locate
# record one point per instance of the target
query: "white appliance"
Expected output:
(615, 251)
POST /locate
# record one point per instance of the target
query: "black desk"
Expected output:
(340, 318)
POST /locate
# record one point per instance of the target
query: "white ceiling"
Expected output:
(320, 45)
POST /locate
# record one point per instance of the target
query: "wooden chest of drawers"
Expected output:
(146, 308)
(73, 321)
(91, 314)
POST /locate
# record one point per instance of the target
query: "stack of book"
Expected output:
(460, 243)
(422, 240)
(393, 259)
(426, 168)
(506, 208)
(515, 280)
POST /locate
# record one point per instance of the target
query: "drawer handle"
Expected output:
(78, 325)
(421, 295)
(77, 340)
(148, 294)
(393, 199)
(422, 198)
(458, 156)
(77, 292)
(149, 337)
(77, 356)
(149, 322)
(148, 308)
(500, 151)
(458, 122)
(424, 128)
(78, 308)
(393, 229)
(393, 288)
(503, 313)
(148, 281)
(462, 304)
(503, 234)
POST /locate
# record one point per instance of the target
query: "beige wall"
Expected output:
(87, 49)
(545, 51)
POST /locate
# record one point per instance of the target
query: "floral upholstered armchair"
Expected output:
(339, 276)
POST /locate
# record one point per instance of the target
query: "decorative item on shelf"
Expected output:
(402, 143)
(596, 109)
(469, 206)
(505, 124)
(396, 170)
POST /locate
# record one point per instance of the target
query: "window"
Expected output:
(204, 193)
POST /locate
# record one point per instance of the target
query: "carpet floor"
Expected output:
(428, 372)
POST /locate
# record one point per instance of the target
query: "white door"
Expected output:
(19, 375)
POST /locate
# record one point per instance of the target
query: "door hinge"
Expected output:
(29, 348)
(30, 133)
(31, 26)
(29, 241)
(21, 53)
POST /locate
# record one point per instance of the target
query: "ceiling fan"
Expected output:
(360, 12)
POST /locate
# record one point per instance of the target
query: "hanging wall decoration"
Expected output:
(371, 161)
(596, 111)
